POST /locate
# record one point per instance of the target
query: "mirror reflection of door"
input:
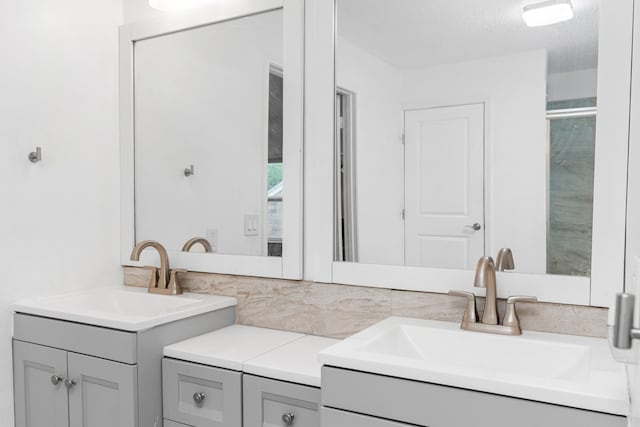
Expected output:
(444, 186)
(346, 248)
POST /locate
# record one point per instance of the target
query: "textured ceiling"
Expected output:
(421, 33)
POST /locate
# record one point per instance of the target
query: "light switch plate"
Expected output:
(251, 225)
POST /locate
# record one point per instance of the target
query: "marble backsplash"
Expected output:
(338, 311)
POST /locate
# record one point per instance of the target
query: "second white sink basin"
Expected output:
(560, 369)
(482, 353)
(125, 308)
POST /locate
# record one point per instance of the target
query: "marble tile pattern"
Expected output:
(338, 311)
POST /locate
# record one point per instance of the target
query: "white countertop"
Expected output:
(230, 347)
(560, 369)
(122, 307)
(295, 362)
(285, 356)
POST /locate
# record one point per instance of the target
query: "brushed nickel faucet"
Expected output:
(485, 277)
(504, 260)
(164, 281)
(204, 242)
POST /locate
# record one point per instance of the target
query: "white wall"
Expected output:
(572, 85)
(514, 89)
(202, 100)
(379, 153)
(59, 225)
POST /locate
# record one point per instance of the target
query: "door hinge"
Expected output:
(341, 122)
(403, 214)
(402, 139)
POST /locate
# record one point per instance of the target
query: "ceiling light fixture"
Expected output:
(173, 5)
(547, 12)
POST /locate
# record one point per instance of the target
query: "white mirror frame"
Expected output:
(609, 219)
(289, 266)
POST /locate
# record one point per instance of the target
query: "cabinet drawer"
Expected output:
(169, 423)
(434, 405)
(201, 396)
(335, 418)
(270, 403)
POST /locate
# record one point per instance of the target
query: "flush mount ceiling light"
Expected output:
(547, 12)
(172, 5)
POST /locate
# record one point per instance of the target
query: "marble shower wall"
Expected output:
(338, 311)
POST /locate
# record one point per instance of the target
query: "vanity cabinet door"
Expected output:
(201, 396)
(272, 403)
(40, 397)
(103, 393)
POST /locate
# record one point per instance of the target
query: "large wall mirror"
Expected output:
(461, 129)
(212, 138)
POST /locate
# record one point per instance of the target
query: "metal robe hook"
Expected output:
(35, 156)
(190, 171)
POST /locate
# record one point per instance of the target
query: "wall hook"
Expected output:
(35, 156)
(190, 171)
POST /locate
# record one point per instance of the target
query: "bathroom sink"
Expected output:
(125, 308)
(560, 369)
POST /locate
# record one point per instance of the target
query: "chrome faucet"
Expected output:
(504, 260)
(485, 277)
(204, 242)
(164, 281)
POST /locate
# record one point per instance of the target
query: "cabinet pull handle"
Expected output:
(198, 397)
(55, 379)
(68, 383)
(288, 418)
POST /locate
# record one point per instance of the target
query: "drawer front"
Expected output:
(271, 403)
(169, 423)
(433, 405)
(201, 396)
(335, 418)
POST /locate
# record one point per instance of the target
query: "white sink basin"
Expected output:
(560, 369)
(125, 308)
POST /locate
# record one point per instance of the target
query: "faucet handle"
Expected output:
(511, 316)
(470, 313)
(153, 274)
(173, 287)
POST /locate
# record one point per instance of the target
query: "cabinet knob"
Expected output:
(55, 379)
(68, 383)
(198, 397)
(288, 418)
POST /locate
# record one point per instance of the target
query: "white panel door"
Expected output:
(444, 186)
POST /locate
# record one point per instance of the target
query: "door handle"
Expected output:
(55, 379)
(475, 227)
(68, 383)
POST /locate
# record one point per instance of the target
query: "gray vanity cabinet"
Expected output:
(117, 374)
(102, 393)
(270, 403)
(347, 394)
